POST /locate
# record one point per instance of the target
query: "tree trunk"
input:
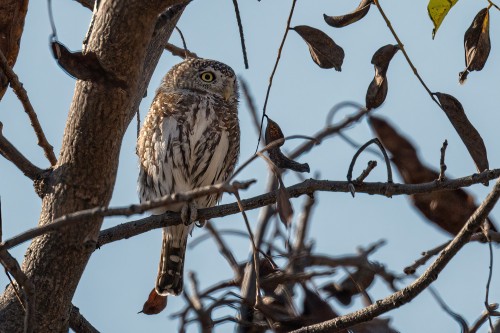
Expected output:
(127, 38)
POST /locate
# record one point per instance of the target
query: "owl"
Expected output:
(190, 138)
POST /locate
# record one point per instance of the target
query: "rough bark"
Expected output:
(12, 15)
(127, 38)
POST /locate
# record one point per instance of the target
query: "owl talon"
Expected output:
(189, 213)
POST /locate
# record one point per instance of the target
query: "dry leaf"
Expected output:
(345, 20)
(273, 133)
(324, 51)
(377, 90)
(315, 309)
(155, 303)
(450, 210)
(352, 285)
(477, 44)
(283, 204)
(468, 133)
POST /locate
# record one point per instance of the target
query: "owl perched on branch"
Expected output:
(190, 138)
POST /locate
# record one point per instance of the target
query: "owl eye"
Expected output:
(207, 76)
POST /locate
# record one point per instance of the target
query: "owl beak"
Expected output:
(228, 91)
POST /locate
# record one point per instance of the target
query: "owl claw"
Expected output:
(189, 213)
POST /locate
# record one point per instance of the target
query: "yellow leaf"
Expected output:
(437, 10)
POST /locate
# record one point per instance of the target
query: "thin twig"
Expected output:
(274, 71)
(402, 48)
(430, 275)
(458, 318)
(425, 256)
(251, 105)
(183, 40)
(133, 228)
(387, 164)
(254, 248)
(483, 318)
(78, 323)
(488, 283)
(28, 108)
(493, 4)
(224, 250)
(17, 292)
(366, 172)
(10, 152)
(82, 215)
(242, 36)
(442, 165)
(180, 52)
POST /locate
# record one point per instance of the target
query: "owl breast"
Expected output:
(188, 140)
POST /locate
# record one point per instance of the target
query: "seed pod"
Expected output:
(324, 52)
(477, 44)
(467, 132)
(377, 90)
(345, 20)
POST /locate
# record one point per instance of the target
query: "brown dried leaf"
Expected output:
(450, 210)
(353, 284)
(377, 90)
(324, 51)
(345, 20)
(273, 133)
(155, 303)
(467, 132)
(477, 44)
(382, 57)
(283, 204)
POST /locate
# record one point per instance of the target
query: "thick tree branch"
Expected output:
(10, 152)
(78, 323)
(430, 275)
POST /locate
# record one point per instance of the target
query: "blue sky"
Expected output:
(119, 276)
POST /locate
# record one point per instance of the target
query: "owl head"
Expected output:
(202, 76)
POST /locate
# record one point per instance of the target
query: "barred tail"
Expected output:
(173, 250)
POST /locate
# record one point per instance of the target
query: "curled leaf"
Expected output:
(273, 133)
(467, 132)
(449, 210)
(154, 304)
(438, 9)
(477, 44)
(345, 20)
(377, 90)
(324, 52)
(283, 204)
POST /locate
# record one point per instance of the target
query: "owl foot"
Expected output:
(189, 213)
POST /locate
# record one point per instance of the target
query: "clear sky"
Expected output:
(119, 276)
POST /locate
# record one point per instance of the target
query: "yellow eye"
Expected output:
(207, 76)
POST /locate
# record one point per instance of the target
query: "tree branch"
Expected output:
(10, 152)
(410, 292)
(78, 323)
(28, 108)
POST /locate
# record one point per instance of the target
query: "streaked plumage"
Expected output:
(190, 138)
